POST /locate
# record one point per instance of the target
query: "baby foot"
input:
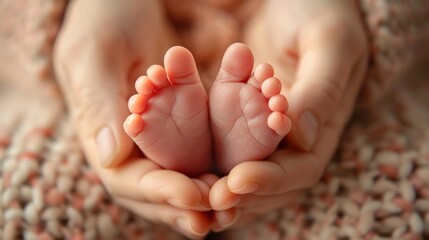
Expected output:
(247, 111)
(169, 120)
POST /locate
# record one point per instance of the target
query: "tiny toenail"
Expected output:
(307, 126)
(106, 145)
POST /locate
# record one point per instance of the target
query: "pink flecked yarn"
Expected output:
(377, 187)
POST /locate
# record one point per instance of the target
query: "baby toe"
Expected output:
(158, 76)
(144, 85)
(133, 125)
(279, 123)
(137, 103)
(180, 66)
(271, 86)
(263, 71)
(278, 103)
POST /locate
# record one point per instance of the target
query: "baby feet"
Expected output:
(169, 120)
(247, 111)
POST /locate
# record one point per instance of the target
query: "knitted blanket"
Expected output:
(377, 187)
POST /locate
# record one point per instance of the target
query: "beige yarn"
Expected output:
(399, 40)
(377, 187)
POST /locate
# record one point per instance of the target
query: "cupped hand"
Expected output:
(161, 196)
(255, 188)
(319, 51)
(317, 48)
(101, 49)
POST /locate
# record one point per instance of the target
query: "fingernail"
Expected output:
(177, 203)
(230, 223)
(106, 146)
(186, 226)
(247, 188)
(216, 227)
(183, 224)
(205, 206)
(224, 223)
(231, 203)
(308, 127)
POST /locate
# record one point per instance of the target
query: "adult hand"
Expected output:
(319, 50)
(101, 49)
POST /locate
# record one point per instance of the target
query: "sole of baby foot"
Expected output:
(169, 120)
(247, 111)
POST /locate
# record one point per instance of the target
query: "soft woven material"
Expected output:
(398, 32)
(376, 187)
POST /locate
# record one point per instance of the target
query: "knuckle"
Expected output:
(72, 43)
(332, 92)
(337, 25)
(105, 39)
(311, 179)
(341, 30)
(83, 42)
(329, 94)
(278, 187)
(86, 101)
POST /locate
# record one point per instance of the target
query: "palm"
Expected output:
(308, 42)
(101, 48)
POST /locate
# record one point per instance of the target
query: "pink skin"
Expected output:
(170, 115)
(95, 73)
(247, 110)
(169, 120)
(321, 74)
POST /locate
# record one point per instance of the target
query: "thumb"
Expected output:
(322, 76)
(96, 89)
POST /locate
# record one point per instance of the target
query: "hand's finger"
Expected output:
(247, 208)
(144, 181)
(252, 206)
(286, 170)
(190, 223)
(205, 192)
(221, 198)
(321, 80)
(325, 66)
(224, 219)
(92, 73)
(209, 179)
(290, 169)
